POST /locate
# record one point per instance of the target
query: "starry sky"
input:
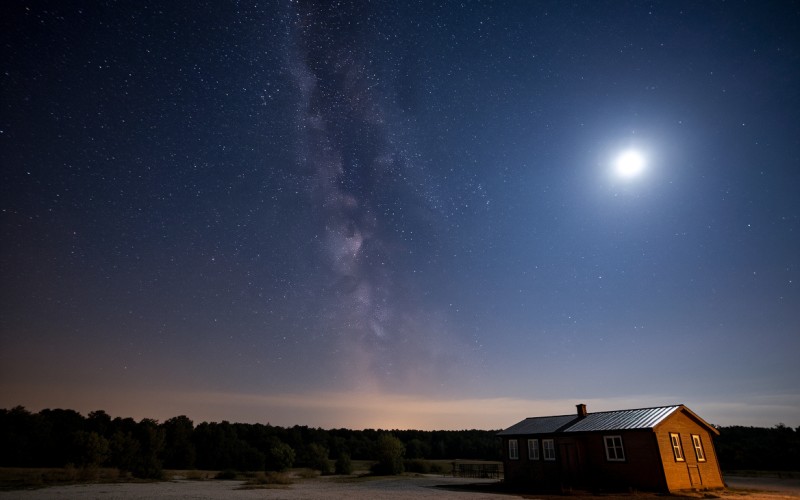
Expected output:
(400, 214)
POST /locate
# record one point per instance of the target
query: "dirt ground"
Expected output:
(405, 487)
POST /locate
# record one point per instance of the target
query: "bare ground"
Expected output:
(417, 486)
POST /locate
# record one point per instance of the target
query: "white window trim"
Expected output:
(677, 447)
(513, 449)
(699, 452)
(533, 446)
(618, 450)
(551, 456)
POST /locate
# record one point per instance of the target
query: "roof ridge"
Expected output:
(552, 416)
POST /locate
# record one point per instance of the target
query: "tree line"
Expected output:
(758, 448)
(57, 437)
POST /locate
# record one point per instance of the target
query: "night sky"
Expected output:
(400, 214)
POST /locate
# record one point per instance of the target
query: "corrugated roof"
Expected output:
(640, 418)
(538, 425)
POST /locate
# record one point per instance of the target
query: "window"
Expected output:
(549, 449)
(677, 450)
(533, 449)
(513, 449)
(698, 448)
(614, 450)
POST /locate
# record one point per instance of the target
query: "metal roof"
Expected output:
(641, 418)
(538, 425)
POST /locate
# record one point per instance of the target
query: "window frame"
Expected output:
(551, 456)
(533, 446)
(699, 451)
(513, 449)
(677, 447)
(616, 446)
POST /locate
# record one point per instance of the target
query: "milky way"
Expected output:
(364, 198)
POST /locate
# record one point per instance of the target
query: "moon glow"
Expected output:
(629, 164)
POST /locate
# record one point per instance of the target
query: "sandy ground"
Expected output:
(415, 487)
(318, 488)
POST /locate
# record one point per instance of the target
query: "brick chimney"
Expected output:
(581, 410)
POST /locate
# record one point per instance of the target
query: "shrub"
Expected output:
(280, 457)
(389, 452)
(89, 449)
(418, 466)
(318, 458)
(344, 466)
(307, 473)
(441, 468)
(267, 478)
(226, 474)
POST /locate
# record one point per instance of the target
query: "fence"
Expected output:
(478, 470)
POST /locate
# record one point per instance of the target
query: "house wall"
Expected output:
(641, 468)
(691, 473)
(538, 473)
(587, 466)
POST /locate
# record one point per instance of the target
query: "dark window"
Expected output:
(549, 449)
(614, 450)
(533, 449)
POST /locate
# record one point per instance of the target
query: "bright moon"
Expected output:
(629, 164)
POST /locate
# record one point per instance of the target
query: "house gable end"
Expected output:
(692, 416)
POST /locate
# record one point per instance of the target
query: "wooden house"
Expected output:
(668, 448)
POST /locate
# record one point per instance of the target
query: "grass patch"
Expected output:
(362, 466)
(197, 475)
(19, 478)
(306, 473)
(420, 466)
(267, 480)
(779, 474)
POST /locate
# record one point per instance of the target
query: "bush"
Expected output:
(280, 457)
(418, 466)
(89, 449)
(344, 466)
(389, 452)
(318, 458)
(226, 474)
(440, 468)
(267, 478)
(307, 473)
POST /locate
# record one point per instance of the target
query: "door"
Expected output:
(694, 476)
(570, 465)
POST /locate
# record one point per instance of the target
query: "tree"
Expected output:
(318, 458)
(389, 452)
(417, 449)
(99, 422)
(124, 450)
(58, 430)
(89, 449)
(179, 451)
(280, 456)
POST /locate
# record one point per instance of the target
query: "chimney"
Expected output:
(581, 410)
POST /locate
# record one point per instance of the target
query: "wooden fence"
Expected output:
(478, 470)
